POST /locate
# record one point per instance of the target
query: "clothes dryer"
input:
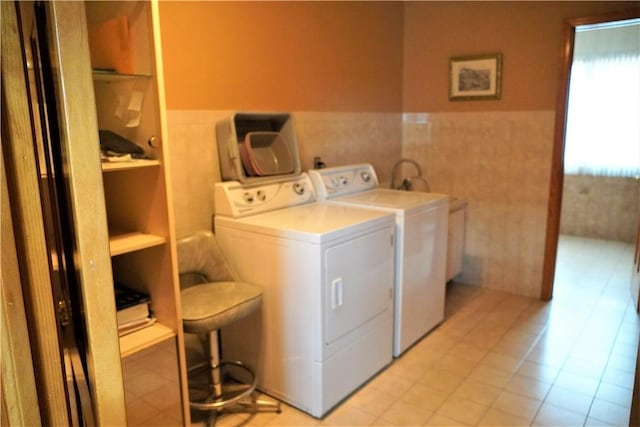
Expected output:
(327, 273)
(421, 246)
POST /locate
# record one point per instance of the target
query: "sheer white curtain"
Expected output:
(603, 120)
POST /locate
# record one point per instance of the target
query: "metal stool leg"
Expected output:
(216, 401)
(214, 360)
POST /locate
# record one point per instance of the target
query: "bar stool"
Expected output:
(213, 297)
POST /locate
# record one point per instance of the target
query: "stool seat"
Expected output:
(210, 306)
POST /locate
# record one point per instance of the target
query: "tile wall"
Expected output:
(338, 138)
(600, 207)
(194, 167)
(347, 138)
(499, 162)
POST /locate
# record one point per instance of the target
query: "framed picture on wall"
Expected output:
(474, 77)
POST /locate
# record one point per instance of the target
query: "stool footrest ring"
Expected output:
(218, 402)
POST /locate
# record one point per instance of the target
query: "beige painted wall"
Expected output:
(528, 34)
(359, 56)
(286, 56)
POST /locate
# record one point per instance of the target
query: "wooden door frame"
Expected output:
(20, 406)
(47, 404)
(557, 162)
(29, 276)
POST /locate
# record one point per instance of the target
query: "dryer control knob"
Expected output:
(298, 188)
(248, 197)
(366, 176)
(261, 195)
(343, 180)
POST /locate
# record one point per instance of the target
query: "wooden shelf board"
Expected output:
(133, 164)
(144, 338)
(129, 242)
(112, 76)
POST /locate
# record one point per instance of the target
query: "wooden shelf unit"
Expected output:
(137, 191)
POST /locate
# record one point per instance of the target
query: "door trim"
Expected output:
(19, 159)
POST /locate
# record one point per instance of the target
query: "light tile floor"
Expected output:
(500, 359)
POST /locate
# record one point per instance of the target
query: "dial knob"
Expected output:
(248, 197)
(366, 176)
(298, 188)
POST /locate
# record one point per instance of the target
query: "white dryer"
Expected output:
(421, 247)
(327, 272)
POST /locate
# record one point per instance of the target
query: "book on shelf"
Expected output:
(132, 307)
(135, 325)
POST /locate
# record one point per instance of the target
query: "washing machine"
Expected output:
(327, 272)
(421, 246)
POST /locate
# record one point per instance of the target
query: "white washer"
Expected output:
(421, 247)
(327, 272)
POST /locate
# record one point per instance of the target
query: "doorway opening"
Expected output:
(601, 163)
(556, 247)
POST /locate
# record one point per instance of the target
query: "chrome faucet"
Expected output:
(407, 183)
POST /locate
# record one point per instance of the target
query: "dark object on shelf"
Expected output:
(127, 297)
(112, 142)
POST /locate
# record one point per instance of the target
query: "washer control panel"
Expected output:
(238, 200)
(343, 180)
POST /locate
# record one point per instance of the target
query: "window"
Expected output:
(603, 116)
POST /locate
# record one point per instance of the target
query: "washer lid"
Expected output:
(394, 199)
(315, 222)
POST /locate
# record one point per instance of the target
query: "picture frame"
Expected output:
(475, 77)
